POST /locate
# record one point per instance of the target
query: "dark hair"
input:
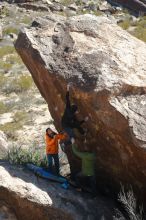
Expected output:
(48, 129)
(74, 108)
(52, 133)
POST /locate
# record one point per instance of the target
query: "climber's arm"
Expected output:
(77, 152)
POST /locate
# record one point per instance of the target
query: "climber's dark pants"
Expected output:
(86, 181)
(50, 158)
(70, 133)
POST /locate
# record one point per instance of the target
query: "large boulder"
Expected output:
(107, 67)
(138, 6)
(33, 198)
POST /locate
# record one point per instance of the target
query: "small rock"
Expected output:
(73, 7)
(70, 13)
(6, 118)
(47, 2)
(105, 7)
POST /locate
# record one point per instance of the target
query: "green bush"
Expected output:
(11, 126)
(18, 85)
(6, 107)
(5, 50)
(67, 2)
(10, 30)
(140, 29)
(9, 61)
(3, 80)
(125, 24)
(19, 155)
(25, 20)
(4, 11)
(140, 33)
(5, 66)
(3, 108)
(14, 59)
(20, 118)
(24, 83)
(79, 2)
(98, 13)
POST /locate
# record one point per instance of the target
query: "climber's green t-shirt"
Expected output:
(88, 161)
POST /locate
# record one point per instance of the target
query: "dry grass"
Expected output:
(129, 203)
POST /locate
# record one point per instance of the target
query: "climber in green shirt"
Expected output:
(88, 167)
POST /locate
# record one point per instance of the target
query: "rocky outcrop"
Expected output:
(134, 5)
(30, 197)
(20, 1)
(107, 67)
(33, 6)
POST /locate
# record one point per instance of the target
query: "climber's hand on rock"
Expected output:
(69, 85)
(86, 118)
(72, 140)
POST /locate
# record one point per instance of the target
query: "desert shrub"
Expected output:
(25, 20)
(20, 118)
(10, 86)
(125, 24)
(24, 82)
(11, 59)
(3, 107)
(18, 85)
(5, 66)
(140, 33)
(11, 126)
(67, 2)
(3, 80)
(4, 11)
(125, 11)
(98, 13)
(14, 58)
(19, 155)
(140, 29)
(5, 50)
(62, 13)
(9, 30)
(129, 203)
(142, 22)
(79, 2)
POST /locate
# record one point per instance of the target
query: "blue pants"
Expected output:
(50, 158)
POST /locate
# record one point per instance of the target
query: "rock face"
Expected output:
(33, 6)
(33, 198)
(107, 67)
(134, 5)
(21, 1)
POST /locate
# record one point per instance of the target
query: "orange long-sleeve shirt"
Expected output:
(52, 143)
